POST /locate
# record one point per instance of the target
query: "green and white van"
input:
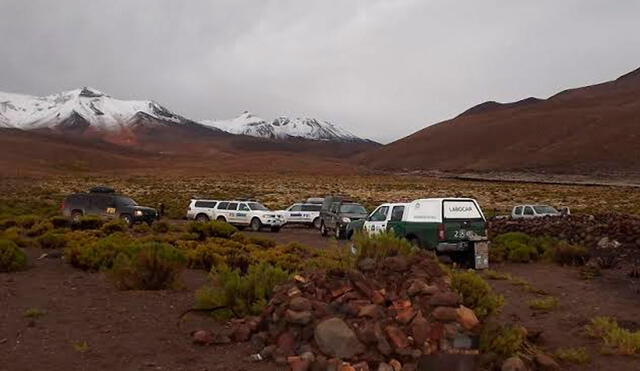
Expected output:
(454, 226)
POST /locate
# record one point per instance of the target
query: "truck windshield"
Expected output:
(544, 209)
(352, 209)
(257, 206)
(125, 201)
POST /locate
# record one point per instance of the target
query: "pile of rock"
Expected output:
(385, 315)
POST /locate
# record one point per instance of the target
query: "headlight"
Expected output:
(346, 220)
(138, 213)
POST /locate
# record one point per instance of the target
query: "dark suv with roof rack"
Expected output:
(105, 202)
(337, 212)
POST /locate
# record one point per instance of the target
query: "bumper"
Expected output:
(480, 250)
(273, 222)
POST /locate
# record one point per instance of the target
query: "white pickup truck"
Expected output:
(304, 213)
(239, 213)
(533, 211)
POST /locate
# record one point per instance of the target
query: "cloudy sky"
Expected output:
(382, 69)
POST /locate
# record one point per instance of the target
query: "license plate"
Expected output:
(481, 250)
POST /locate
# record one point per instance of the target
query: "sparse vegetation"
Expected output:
(12, 258)
(502, 341)
(34, 313)
(578, 356)
(381, 245)
(213, 228)
(476, 293)
(52, 240)
(114, 226)
(615, 338)
(150, 266)
(87, 222)
(544, 304)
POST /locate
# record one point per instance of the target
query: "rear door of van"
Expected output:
(462, 220)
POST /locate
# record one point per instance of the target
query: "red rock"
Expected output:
(436, 331)
(340, 290)
(397, 337)
(445, 299)
(361, 366)
(419, 287)
(396, 263)
(401, 304)
(377, 297)
(371, 311)
(300, 304)
(286, 343)
(346, 367)
(298, 363)
(396, 365)
(445, 314)
(298, 318)
(467, 318)
(202, 337)
(420, 329)
(405, 316)
(241, 333)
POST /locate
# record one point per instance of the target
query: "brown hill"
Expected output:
(581, 131)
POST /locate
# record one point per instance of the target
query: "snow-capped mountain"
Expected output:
(283, 128)
(86, 106)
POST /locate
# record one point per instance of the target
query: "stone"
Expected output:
(419, 287)
(298, 318)
(268, 351)
(361, 366)
(241, 333)
(397, 337)
(436, 331)
(335, 338)
(420, 329)
(385, 367)
(546, 363)
(445, 314)
(405, 315)
(396, 263)
(219, 338)
(445, 299)
(309, 356)
(513, 364)
(367, 265)
(396, 365)
(298, 364)
(377, 297)
(467, 318)
(346, 367)
(286, 343)
(259, 340)
(371, 311)
(202, 337)
(300, 304)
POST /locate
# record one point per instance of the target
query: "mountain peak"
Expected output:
(89, 92)
(633, 75)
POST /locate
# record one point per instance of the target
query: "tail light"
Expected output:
(62, 205)
(441, 232)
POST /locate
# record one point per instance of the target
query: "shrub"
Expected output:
(34, 313)
(12, 258)
(59, 222)
(15, 234)
(7, 223)
(86, 251)
(476, 293)
(213, 228)
(566, 254)
(380, 246)
(150, 266)
(87, 222)
(204, 257)
(504, 341)
(615, 338)
(579, 356)
(142, 228)
(26, 221)
(521, 253)
(242, 294)
(113, 226)
(39, 228)
(544, 304)
(51, 240)
(254, 240)
(522, 248)
(160, 227)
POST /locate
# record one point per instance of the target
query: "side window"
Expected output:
(232, 206)
(396, 213)
(528, 210)
(206, 204)
(380, 214)
(296, 207)
(102, 202)
(223, 205)
(311, 207)
(519, 210)
(334, 208)
(243, 207)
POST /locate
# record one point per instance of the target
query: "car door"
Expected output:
(528, 212)
(243, 216)
(294, 213)
(377, 221)
(231, 212)
(102, 205)
(310, 212)
(333, 215)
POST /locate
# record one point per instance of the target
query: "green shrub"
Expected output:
(615, 338)
(504, 341)
(381, 245)
(213, 228)
(160, 227)
(7, 223)
(12, 258)
(521, 253)
(27, 221)
(39, 228)
(34, 313)
(242, 294)
(150, 266)
(52, 240)
(87, 223)
(578, 356)
(15, 234)
(544, 304)
(522, 248)
(113, 226)
(254, 240)
(60, 222)
(566, 254)
(142, 228)
(204, 257)
(88, 252)
(476, 293)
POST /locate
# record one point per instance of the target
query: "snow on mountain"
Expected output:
(94, 107)
(283, 128)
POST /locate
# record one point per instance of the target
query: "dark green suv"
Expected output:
(105, 202)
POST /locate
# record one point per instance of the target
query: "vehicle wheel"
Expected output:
(126, 218)
(221, 219)
(256, 224)
(323, 230)
(275, 229)
(202, 218)
(75, 216)
(316, 223)
(338, 233)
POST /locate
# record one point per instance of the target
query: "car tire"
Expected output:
(316, 223)
(339, 233)
(415, 242)
(75, 216)
(275, 229)
(221, 219)
(127, 219)
(255, 225)
(323, 230)
(202, 218)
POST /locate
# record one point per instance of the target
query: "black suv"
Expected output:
(337, 212)
(105, 202)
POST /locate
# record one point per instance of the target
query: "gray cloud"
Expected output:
(382, 69)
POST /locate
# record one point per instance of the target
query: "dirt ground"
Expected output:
(90, 325)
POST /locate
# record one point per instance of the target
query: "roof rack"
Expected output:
(102, 189)
(314, 200)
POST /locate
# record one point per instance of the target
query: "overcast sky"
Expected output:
(382, 69)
